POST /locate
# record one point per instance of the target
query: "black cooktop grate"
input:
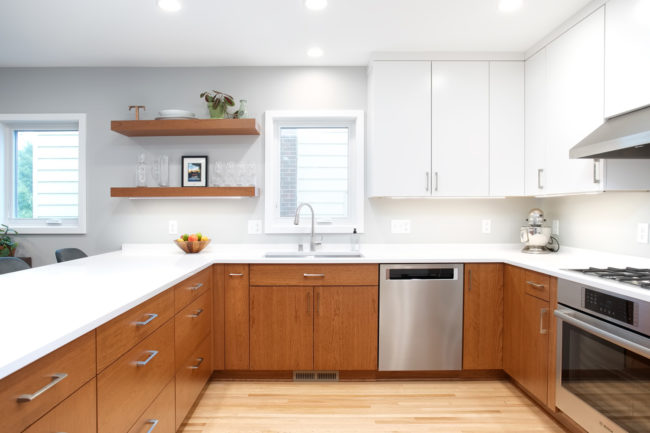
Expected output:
(635, 276)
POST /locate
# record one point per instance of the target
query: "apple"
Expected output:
(192, 238)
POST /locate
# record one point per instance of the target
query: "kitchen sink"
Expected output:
(312, 254)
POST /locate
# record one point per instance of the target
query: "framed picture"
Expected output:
(195, 171)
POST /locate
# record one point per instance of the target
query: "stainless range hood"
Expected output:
(622, 137)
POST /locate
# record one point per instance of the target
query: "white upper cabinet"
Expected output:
(575, 101)
(627, 56)
(460, 129)
(506, 128)
(536, 124)
(399, 141)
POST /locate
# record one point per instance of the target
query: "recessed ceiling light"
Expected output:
(510, 5)
(169, 5)
(316, 5)
(315, 52)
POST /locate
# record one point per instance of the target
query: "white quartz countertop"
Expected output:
(44, 308)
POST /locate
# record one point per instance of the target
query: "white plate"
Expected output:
(176, 113)
(173, 117)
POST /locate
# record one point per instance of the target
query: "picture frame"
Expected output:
(194, 171)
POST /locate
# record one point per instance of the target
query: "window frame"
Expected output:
(353, 119)
(9, 123)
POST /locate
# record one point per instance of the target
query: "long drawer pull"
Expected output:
(195, 287)
(152, 354)
(313, 275)
(199, 362)
(542, 330)
(536, 285)
(56, 378)
(235, 275)
(146, 322)
(154, 423)
(197, 314)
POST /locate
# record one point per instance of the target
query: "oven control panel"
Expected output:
(610, 306)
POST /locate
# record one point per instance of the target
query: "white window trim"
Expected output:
(9, 122)
(273, 120)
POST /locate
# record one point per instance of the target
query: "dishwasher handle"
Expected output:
(446, 273)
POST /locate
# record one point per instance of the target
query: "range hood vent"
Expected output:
(623, 137)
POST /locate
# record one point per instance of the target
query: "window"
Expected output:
(315, 158)
(43, 172)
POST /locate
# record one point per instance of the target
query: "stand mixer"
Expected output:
(537, 238)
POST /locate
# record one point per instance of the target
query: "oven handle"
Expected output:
(605, 335)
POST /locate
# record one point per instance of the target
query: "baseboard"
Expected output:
(364, 375)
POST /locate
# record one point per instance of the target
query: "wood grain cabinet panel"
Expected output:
(192, 325)
(483, 317)
(236, 315)
(191, 288)
(191, 377)
(218, 317)
(513, 319)
(159, 416)
(127, 387)
(314, 275)
(345, 327)
(76, 360)
(76, 414)
(534, 352)
(281, 328)
(125, 331)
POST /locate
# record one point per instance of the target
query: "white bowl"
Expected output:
(176, 113)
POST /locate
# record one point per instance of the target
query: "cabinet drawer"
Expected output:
(191, 377)
(125, 331)
(314, 275)
(75, 360)
(131, 383)
(192, 325)
(537, 284)
(159, 416)
(76, 414)
(190, 289)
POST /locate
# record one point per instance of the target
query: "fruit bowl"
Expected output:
(191, 247)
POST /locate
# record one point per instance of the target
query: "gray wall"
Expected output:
(105, 94)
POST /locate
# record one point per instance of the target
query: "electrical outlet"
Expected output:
(173, 227)
(556, 228)
(254, 227)
(400, 226)
(642, 233)
(486, 226)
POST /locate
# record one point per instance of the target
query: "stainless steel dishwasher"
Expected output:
(420, 317)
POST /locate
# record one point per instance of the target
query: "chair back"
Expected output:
(12, 264)
(67, 254)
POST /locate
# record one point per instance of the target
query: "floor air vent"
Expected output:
(315, 376)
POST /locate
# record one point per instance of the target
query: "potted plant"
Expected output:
(217, 103)
(7, 244)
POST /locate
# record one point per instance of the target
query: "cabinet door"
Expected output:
(345, 328)
(399, 139)
(535, 347)
(460, 125)
(236, 317)
(483, 317)
(218, 317)
(507, 128)
(535, 124)
(627, 63)
(281, 328)
(513, 304)
(575, 103)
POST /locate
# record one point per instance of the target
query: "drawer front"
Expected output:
(537, 284)
(192, 325)
(76, 414)
(314, 275)
(191, 288)
(75, 360)
(122, 333)
(131, 383)
(159, 416)
(191, 377)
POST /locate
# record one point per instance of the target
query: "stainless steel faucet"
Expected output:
(296, 221)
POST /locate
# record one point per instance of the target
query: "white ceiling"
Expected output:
(261, 32)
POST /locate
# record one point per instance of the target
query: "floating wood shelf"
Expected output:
(181, 127)
(185, 192)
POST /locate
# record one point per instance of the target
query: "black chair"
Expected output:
(12, 264)
(67, 254)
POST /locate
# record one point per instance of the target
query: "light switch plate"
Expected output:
(556, 228)
(642, 233)
(486, 226)
(400, 226)
(254, 227)
(173, 227)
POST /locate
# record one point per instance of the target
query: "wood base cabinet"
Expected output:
(159, 416)
(191, 378)
(236, 317)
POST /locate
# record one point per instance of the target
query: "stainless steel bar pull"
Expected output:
(152, 354)
(436, 179)
(199, 361)
(426, 187)
(146, 322)
(56, 378)
(536, 285)
(313, 275)
(539, 178)
(542, 330)
(195, 287)
(154, 423)
(235, 275)
(197, 314)
(596, 170)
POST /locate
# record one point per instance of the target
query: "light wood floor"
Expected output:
(435, 406)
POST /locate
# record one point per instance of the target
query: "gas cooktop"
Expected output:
(636, 277)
